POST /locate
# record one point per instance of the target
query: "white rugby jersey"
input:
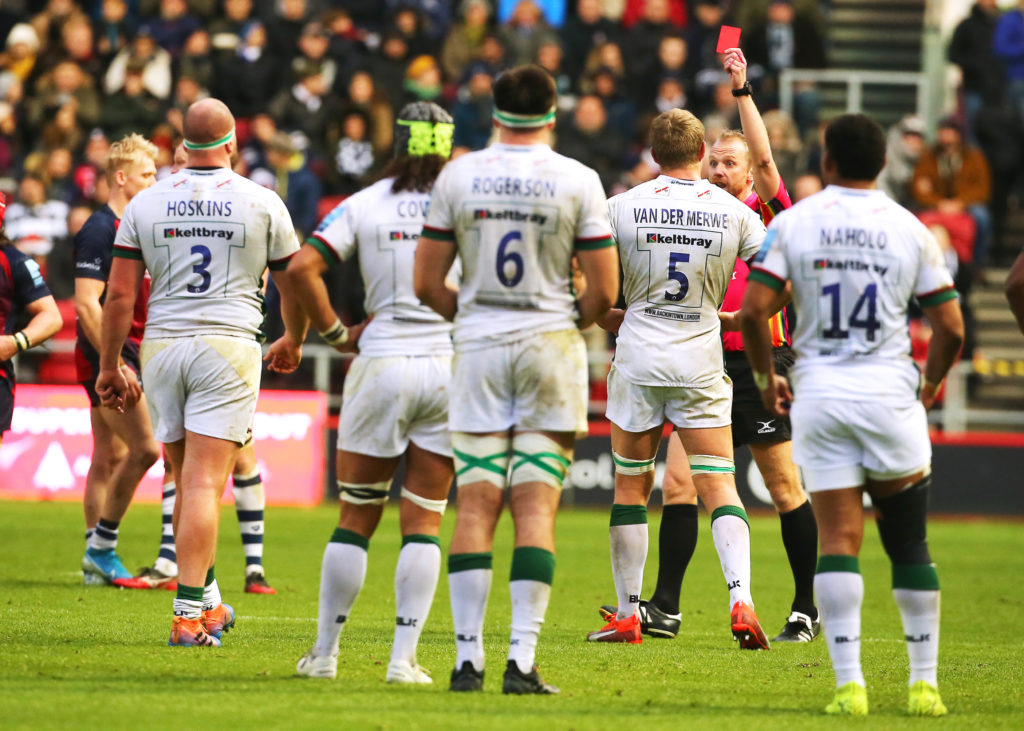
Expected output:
(516, 213)
(206, 237)
(383, 227)
(678, 243)
(855, 258)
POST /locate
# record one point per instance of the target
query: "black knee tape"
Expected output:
(902, 524)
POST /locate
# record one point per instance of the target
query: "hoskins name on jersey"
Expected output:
(199, 208)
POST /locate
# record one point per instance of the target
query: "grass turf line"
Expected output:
(85, 657)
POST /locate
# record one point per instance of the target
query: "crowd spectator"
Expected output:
(249, 76)
(132, 108)
(472, 111)
(143, 53)
(953, 179)
(363, 96)
(294, 181)
(982, 73)
(464, 42)
(1008, 43)
(308, 107)
(643, 40)
(113, 29)
(173, 26)
(35, 223)
(353, 157)
(905, 143)
(586, 135)
(585, 30)
(525, 32)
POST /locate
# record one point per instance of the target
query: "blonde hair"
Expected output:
(128, 151)
(734, 134)
(676, 137)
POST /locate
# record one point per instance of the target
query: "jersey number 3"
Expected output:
(202, 269)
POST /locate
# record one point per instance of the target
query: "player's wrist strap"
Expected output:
(335, 335)
(21, 341)
(761, 380)
(931, 385)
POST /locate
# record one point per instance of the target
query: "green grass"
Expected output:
(75, 656)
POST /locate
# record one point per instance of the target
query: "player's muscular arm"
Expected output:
(731, 320)
(305, 272)
(759, 304)
(122, 289)
(285, 354)
(601, 271)
(88, 307)
(1015, 290)
(947, 337)
(766, 174)
(434, 259)
(45, 322)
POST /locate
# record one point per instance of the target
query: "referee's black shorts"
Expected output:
(6, 404)
(752, 423)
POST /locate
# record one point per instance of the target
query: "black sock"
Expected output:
(800, 537)
(677, 538)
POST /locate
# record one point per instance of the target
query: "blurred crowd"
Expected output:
(315, 86)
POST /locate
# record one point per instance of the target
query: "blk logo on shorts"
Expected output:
(766, 427)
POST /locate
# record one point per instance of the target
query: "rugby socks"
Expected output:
(677, 539)
(104, 536)
(419, 565)
(250, 501)
(627, 534)
(800, 537)
(731, 533)
(188, 602)
(167, 559)
(469, 584)
(342, 574)
(916, 591)
(529, 586)
(211, 592)
(840, 590)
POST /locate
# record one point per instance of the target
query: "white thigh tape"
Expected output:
(626, 466)
(709, 464)
(480, 459)
(434, 506)
(373, 493)
(539, 458)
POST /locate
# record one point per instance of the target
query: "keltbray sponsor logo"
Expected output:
(679, 240)
(197, 232)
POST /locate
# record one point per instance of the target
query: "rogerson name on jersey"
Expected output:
(198, 208)
(681, 217)
(858, 237)
(520, 187)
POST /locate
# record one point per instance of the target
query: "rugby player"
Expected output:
(123, 446)
(22, 291)
(742, 164)
(396, 394)
(250, 503)
(206, 235)
(516, 214)
(679, 237)
(855, 259)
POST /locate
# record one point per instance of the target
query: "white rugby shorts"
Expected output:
(838, 443)
(636, 408)
(205, 384)
(538, 382)
(389, 401)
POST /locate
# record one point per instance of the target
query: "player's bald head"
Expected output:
(207, 120)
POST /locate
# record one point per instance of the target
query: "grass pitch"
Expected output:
(80, 657)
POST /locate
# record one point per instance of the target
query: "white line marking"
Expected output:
(250, 618)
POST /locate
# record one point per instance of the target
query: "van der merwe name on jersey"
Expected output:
(199, 208)
(857, 237)
(681, 217)
(511, 214)
(518, 187)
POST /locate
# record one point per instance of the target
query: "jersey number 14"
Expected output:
(864, 315)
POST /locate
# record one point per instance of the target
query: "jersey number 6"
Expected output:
(505, 257)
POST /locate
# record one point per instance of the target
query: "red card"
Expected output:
(728, 37)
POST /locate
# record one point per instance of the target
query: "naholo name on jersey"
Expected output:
(859, 237)
(198, 232)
